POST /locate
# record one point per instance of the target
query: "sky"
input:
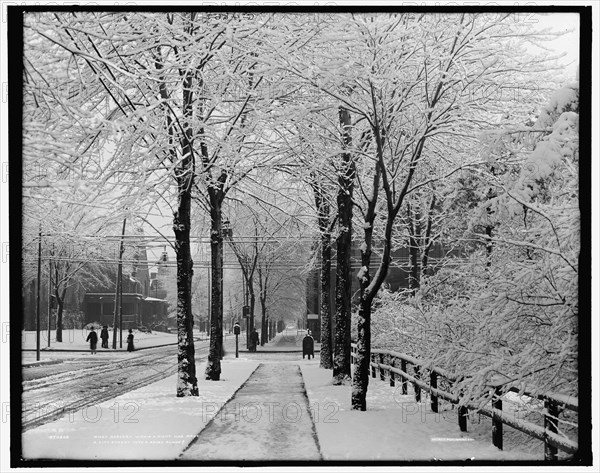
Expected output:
(568, 44)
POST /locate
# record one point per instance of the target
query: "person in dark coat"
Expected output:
(104, 336)
(93, 339)
(308, 346)
(253, 340)
(130, 346)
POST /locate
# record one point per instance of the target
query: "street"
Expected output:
(50, 391)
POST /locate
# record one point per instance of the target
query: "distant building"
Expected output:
(397, 278)
(141, 301)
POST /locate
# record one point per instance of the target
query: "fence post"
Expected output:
(416, 386)
(550, 425)
(433, 384)
(373, 372)
(392, 363)
(496, 422)
(402, 378)
(381, 370)
(463, 412)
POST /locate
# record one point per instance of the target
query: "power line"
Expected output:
(193, 239)
(233, 264)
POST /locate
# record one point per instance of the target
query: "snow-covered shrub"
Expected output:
(508, 311)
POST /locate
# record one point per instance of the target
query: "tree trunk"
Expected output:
(413, 249)
(213, 366)
(323, 217)
(489, 228)
(326, 360)
(30, 325)
(343, 289)
(252, 305)
(427, 238)
(60, 301)
(489, 245)
(262, 282)
(263, 324)
(360, 381)
(187, 383)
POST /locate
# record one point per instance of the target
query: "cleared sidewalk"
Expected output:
(267, 419)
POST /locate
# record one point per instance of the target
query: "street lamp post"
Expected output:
(236, 331)
(227, 233)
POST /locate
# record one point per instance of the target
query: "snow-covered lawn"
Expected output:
(74, 339)
(148, 423)
(394, 427)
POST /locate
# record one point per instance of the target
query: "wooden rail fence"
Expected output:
(394, 366)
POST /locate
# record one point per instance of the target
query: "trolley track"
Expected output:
(47, 399)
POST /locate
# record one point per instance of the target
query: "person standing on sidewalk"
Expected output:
(253, 340)
(104, 336)
(308, 346)
(130, 346)
(93, 339)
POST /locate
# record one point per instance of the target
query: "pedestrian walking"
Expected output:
(130, 346)
(253, 340)
(308, 346)
(104, 336)
(93, 339)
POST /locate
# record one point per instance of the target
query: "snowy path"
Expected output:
(267, 419)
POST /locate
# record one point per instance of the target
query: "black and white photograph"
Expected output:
(298, 236)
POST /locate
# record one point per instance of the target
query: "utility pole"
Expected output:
(49, 297)
(39, 285)
(116, 311)
(247, 314)
(117, 290)
(121, 296)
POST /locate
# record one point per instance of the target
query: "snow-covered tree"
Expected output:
(409, 83)
(511, 315)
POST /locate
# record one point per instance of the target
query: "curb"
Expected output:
(40, 363)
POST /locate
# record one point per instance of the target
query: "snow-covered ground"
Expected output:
(394, 427)
(144, 424)
(152, 423)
